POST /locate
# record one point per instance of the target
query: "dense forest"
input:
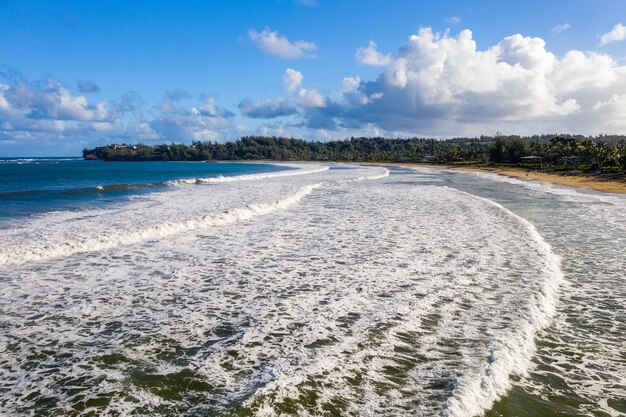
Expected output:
(607, 153)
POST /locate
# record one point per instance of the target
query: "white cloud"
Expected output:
(273, 44)
(453, 20)
(561, 28)
(438, 84)
(612, 112)
(618, 33)
(352, 93)
(306, 104)
(578, 71)
(168, 105)
(435, 84)
(50, 108)
(371, 56)
(350, 84)
(311, 98)
(46, 111)
(267, 109)
(292, 79)
(207, 121)
(302, 102)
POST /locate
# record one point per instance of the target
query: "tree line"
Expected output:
(563, 151)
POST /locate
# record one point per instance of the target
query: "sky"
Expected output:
(76, 74)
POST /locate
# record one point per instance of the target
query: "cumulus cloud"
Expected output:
(439, 84)
(618, 33)
(31, 110)
(612, 112)
(435, 84)
(561, 28)
(352, 93)
(292, 79)
(276, 128)
(267, 109)
(311, 98)
(371, 56)
(45, 111)
(206, 121)
(273, 44)
(301, 101)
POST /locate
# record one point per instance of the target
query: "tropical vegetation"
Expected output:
(604, 153)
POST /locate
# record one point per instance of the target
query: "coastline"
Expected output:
(598, 182)
(605, 183)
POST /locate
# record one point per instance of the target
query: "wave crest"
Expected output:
(28, 253)
(512, 352)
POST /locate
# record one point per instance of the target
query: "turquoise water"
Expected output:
(36, 185)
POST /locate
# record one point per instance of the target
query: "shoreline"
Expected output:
(606, 183)
(598, 182)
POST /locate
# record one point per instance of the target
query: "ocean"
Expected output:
(33, 185)
(198, 289)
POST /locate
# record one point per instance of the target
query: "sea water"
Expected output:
(34, 185)
(318, 290)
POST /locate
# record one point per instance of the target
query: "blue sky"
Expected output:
(77, 73)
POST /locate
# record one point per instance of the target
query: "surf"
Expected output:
(31, 252)
(511, 354)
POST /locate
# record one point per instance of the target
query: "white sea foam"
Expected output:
(384, 174)
(510, 354)
(32, 252)
(487, 376)
(388, 297)
(251, 177)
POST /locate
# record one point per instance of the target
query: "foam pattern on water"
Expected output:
(110, 239)
(383, 297)
(251, 177)
(578, 368)
(69, 232)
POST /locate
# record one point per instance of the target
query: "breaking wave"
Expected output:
(248, 177)
(510, 354)
(183, 181)
(28, 252)
(385, 174)
(398, 297)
